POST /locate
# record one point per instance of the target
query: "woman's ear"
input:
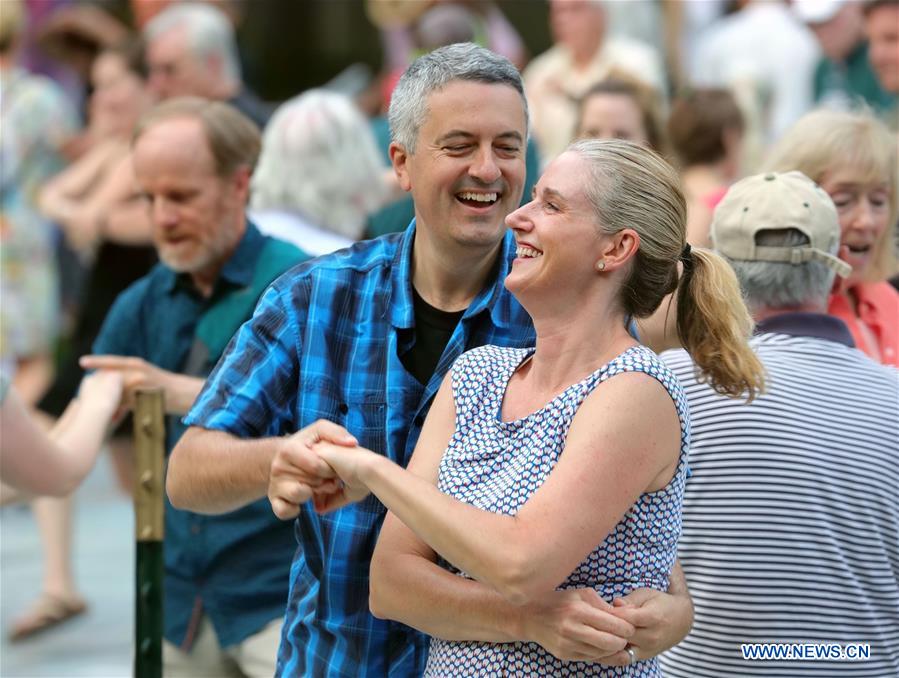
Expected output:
(618, 250)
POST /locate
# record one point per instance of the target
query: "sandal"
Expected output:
(49, 610)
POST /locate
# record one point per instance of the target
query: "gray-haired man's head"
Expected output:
(192, 51)
(781, 234)
(433, 71)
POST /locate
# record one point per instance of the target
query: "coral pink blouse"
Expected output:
(878, 311)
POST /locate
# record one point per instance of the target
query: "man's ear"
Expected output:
(240, 183)
(399, 158)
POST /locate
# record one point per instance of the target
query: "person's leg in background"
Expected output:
(59, 599)
(205, 659)
(257, 656)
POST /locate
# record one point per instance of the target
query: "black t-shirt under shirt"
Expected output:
(433, 329)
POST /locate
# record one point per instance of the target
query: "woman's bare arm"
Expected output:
(54, 463)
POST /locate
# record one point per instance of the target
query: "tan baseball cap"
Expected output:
(773, 201)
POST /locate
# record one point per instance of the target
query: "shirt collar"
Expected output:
(237, 271)
(402, 310)
(817, 325)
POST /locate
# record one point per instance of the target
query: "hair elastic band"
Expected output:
(686, 257)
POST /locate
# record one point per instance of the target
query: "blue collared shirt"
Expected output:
(232, 567)
(325, 342)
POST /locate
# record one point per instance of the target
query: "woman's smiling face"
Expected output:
(863, 207)
(557, 235)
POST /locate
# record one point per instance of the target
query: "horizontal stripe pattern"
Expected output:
(791, 524)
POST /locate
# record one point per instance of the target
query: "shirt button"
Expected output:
(343, 408)
(195, 529)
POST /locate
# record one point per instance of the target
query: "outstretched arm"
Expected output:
(215, 472)
(610, 459)
(54, 463)
(180, 390)
(225, 459)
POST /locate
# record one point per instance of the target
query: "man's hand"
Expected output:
(347, 464)
(576, 625)
(180, 390)
(297, 471)
(661, 621)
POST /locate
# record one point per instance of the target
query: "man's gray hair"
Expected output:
(780, 285)
(435, 70)
(209, 33)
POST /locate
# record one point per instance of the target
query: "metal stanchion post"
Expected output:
(149, 438)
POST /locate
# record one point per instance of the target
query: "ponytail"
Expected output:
(714, 325)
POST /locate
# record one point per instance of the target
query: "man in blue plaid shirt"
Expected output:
(363, 338)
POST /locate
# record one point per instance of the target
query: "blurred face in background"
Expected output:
(863, 207)
(196, 214)
(119, 95)
(883, 45)
(612, 116)
(173, 68)
(577, 24)
(839, 36)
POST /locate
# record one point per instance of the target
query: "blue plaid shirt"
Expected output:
(325, 342)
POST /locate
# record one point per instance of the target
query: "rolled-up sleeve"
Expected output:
(252, 391)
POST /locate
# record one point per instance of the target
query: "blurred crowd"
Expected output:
(721, 89)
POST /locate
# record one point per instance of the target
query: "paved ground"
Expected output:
(99, 643)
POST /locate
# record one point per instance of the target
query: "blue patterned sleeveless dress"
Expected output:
(496, 466)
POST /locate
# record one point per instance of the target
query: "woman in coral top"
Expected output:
(853, 157)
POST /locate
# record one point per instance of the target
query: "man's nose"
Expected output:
(484, 167)
(163, 213)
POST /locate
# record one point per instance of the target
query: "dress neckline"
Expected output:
(528, 354)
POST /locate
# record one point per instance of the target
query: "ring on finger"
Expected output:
(632, 656)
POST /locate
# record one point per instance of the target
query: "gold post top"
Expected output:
(149, 443)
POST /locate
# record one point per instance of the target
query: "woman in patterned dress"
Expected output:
(530, 477)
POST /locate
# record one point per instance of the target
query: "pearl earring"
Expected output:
(601, 266)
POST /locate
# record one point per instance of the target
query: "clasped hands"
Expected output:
(321, 462)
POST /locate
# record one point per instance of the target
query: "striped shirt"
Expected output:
(326, 342)
(791, 519)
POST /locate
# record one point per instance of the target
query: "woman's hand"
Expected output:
(349, 463)
(103, 389)
(576, 625)
(661, 620)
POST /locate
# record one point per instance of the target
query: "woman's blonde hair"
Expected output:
(824, 140)
(631, 186)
